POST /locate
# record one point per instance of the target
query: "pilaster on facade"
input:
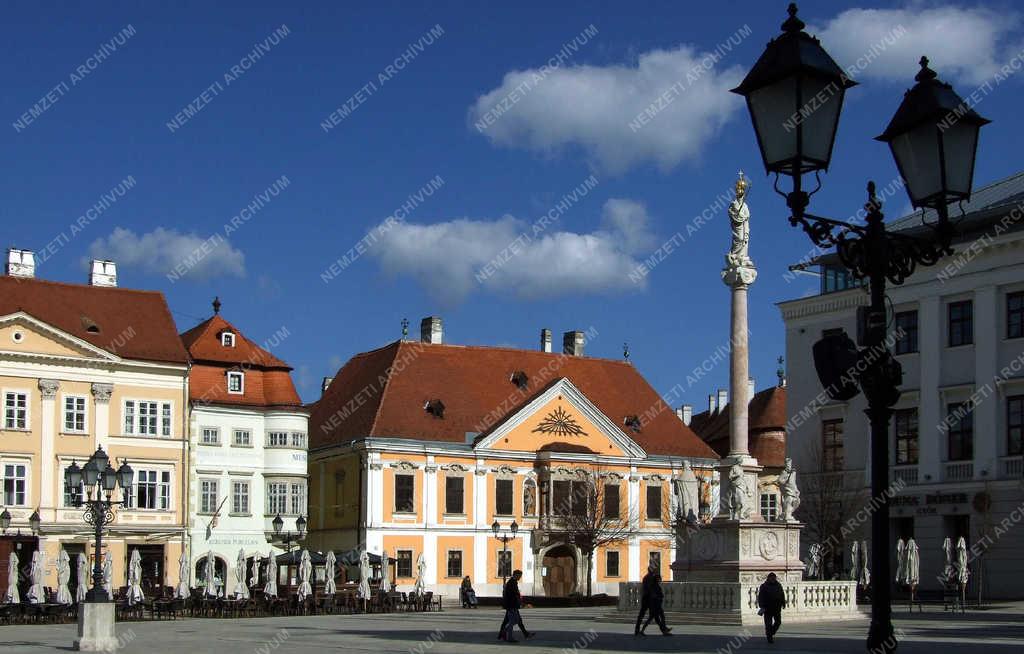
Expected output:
(48, 432)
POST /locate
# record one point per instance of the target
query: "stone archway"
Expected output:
(559, 571)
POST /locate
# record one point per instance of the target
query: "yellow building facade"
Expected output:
(84, 367)
(442, 442)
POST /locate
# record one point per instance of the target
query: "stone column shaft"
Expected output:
(739, 373)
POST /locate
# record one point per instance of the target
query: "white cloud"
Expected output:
(169, 252)
(592, 107)
(451, 259)
(961, 44)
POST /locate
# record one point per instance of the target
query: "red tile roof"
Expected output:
(131, 324)
(767, 418)
(383, 392)
(268, 381)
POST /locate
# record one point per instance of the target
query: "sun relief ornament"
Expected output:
(561, 423)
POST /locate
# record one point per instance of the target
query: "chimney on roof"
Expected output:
(711, 404)
(103, 273)
(723, 398)
(751, 388)
(545, 340)
(324, 384)
(679, 413)
(431, 330)
(572, 343)
(21, 263)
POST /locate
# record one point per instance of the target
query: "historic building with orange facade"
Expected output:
(84, 366)
(419, 447)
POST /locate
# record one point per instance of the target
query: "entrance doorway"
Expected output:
(559, 571)
(23, 547)
(73, 550)
(152, 568)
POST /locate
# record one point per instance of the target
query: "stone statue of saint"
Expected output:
(687, 492)
(739, 507)
(739, 219)
(529, 499)
(790, 492)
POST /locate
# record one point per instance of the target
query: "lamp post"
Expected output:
(5, 521)
(795, 94)
(504, 538)
(289, 537)
(98, 479)
(33, 522)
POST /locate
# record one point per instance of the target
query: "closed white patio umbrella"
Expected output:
(210, 569)
(255, 570)
(854, 562)
(421, 568)
(865, 571)
(83, 578)
(108, 573)
(135, 595)
(63, 577)
(913, 564)
(36, 594)
(241, 591)
(181, 591)
(901, 561)
(364, 575)
(12, 597)
(270, 589)
(330, 587)
(305, 572)
(963, 572)
(385, 585)
(948, 572)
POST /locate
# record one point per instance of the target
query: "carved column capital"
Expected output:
(49, 387)
(102, 392)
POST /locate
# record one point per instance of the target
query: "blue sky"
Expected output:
(101, 121)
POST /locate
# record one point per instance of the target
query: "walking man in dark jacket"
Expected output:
(772, 599)
(654, 597)
(512, 601)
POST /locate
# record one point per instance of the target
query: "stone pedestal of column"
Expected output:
(96, 631)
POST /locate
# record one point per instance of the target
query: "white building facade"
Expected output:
(957, 329)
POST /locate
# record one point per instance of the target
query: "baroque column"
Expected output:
(739, 469)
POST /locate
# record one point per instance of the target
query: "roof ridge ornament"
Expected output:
(793, 24)
(216, 305)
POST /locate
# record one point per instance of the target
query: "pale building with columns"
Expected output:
(417, 448)
(956, 436)
(85, 366)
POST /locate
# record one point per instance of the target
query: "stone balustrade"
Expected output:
(806, 599)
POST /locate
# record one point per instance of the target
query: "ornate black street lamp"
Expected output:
(98, 479)
(289, 537)
(795, 93)
(34, 522)
(504, 538)
(5, 521)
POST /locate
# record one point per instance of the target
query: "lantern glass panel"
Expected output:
(772, 109)
(917, 155)
(959, 143)
(818, 114)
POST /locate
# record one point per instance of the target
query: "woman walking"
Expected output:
(512, 601)
(655, 597)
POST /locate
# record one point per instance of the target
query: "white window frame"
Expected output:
(225, 337)
(299, 439)
(292, 486)
(163, 416)
(271, 433)
(203, 481)
(161, 489)
(64, 413)
(240, 376)
(286, 495)
(247, 510)
(234, 437)
(28, 409)
(27, 481)
(202, 435)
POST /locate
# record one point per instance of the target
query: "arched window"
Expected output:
(220, 574)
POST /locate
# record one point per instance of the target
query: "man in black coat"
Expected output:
(653, 597)
(771, 597)
(512, 601)
(645, 595)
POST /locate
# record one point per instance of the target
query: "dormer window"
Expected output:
(435, 408)
(633, 422)
(236, 382)
(520, 379)
(227, 339)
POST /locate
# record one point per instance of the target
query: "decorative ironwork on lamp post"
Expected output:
(505, 538)
(98, 480)
(795, 94)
